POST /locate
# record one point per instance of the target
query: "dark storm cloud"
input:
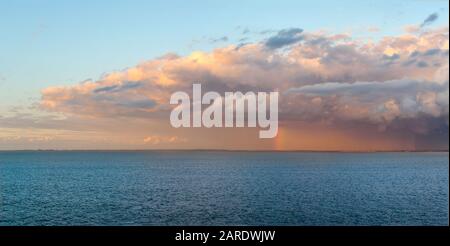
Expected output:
(429, 20)
(118, 88)
(284, 37)
(432, 52)
(392, 57)
(144, 103)
(106, 89)
(422, 64)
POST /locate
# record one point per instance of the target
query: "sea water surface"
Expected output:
(223, 188)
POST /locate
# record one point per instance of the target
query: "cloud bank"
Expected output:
(394, 83)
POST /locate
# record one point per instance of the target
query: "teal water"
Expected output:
(223, 188)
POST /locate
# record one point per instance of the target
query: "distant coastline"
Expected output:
(224, 150)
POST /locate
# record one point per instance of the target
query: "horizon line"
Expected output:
(224, 150)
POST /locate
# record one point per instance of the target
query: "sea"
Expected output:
(215, 188)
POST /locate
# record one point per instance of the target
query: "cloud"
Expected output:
(284, 37)
(432, 52)
(376, 102)
(373, 29)
(218, 40)
(156, 140)
(118, 88)
(429, 20)
(322, 77)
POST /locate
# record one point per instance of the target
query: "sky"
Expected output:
(371, 75)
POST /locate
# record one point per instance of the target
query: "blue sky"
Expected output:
(48, 42)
